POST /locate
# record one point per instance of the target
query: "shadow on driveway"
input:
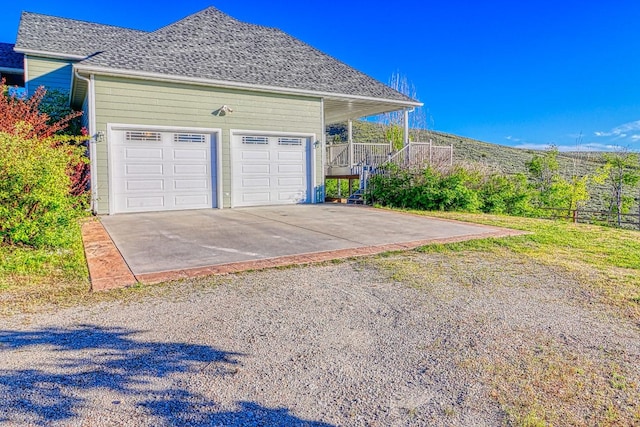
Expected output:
(118, 379)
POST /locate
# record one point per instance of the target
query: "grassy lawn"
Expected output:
(542, 380)
(30, 278)
(607, 259)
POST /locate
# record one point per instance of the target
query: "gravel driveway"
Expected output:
(369, 342)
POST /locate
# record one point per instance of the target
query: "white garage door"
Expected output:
(269, 170)
(157, 171)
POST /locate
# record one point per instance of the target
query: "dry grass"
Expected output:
(539, 378)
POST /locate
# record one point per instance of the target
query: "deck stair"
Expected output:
(357, 198)
(362, 160)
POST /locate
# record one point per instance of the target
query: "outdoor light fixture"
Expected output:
(222, 111)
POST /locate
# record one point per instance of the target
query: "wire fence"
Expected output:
(588, 216)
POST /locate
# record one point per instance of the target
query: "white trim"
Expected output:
(227, 84)
(311, 137)
(120, 126)
(52, 55)
(26, 76)
(93, 165)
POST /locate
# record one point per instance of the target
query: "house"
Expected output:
(208, 112)
(11, 65)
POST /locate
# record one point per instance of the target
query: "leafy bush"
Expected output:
(36, 206)
(459, 189)
(43, 115)
(505, 195)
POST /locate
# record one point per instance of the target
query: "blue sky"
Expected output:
(525, 74)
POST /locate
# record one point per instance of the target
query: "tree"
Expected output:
(393, 122)
(621, 173)
(553, 190)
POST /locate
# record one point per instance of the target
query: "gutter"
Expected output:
(92, 141)
(46, 54)
(239, 85)
(11, 70)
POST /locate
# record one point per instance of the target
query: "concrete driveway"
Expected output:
(158, 242)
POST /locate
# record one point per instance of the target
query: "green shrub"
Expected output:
(458, 189)
(502, 194)
(36, 207)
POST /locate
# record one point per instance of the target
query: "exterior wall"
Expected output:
(139, 102)
(51, 73)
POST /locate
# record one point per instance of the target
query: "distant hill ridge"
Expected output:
(508, 160)
(501, 157)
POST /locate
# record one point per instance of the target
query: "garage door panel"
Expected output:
(189, 154)
(284, 181)
(145, 185)
(190, 184)
(255, 155)
(164, 172)
(262, 182)
(296, 156)
(290, 196)
(256, 198)
(291, 168)
(142, 153)
(144, 169)
(255, 169)
(199, 170)
(187, 200)
(145, 202)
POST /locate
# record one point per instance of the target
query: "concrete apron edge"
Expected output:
(311, 257)
(108, 269)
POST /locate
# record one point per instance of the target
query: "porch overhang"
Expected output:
(339, 109)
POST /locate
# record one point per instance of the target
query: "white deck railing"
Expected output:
(422, 154)
(417, 154)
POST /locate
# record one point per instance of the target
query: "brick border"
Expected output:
(108, 269)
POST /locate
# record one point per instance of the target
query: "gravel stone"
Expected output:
(335, 344)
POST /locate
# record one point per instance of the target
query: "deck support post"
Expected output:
(350, 141)
(406, 127)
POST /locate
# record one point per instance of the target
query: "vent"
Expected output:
(143, 136)
(197, 138)
(255, 140)
(289, 141)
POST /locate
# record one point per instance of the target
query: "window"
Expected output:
(143, 136)
(255, 140)
(189, 137)
(289, 141)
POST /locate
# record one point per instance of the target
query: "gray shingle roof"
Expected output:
(212, 45)
(9, 58)
(68, 37)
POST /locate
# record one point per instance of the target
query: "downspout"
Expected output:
(92, 141)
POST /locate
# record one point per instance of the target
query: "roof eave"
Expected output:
(240, 85)
(46, 54)
(11, 70)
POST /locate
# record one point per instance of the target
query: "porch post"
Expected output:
(350, 140)
(406, 127)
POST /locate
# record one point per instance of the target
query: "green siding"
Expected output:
(47, 72)
(138, 102)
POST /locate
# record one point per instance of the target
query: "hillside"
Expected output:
(501, 158)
